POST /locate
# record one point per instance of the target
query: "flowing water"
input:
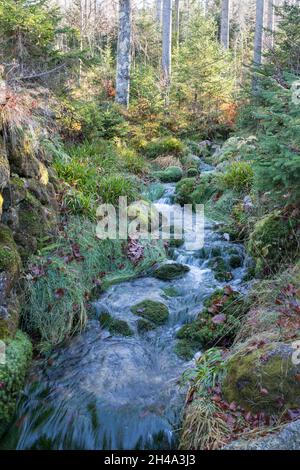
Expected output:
(113, 392)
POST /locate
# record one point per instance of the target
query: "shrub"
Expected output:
(114, 186)
(170, 175)
(238, 177)
(164, 146)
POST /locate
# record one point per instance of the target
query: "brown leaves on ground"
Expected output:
(134, 251)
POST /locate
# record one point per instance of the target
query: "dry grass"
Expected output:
(166, 162)
(203, 428)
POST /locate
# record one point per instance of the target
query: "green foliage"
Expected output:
(208, 370)
(170, 175)
(184, 190)
(239, 177)
(114, 186)
(164, 146)
(63, 280)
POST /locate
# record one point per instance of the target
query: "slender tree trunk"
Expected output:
(225, 23)
(167, 42)
(158, 12)
(259, 31)
(270, 24)
(124, 53)
(177, 22)
(258, 39)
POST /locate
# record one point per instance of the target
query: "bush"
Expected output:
(164, 146)
(114, 186)
(172, 174)
(238, 177)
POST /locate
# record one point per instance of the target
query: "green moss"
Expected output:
(115, 326)
(191, 172)
(204, 332)
(235, 261)
(173, 174)
(205, 189)
(171, 292)
(143, 326)
(12, 375)
(271, 242)
(220, 268)
(170, 271)
(156, 312)
(9, 255)
(263, 379)
(176, 243)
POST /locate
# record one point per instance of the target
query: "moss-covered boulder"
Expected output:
(17, 357)
(192, 172)
(10, 261)
(173, 174)
(221, 269)
(171, 292)
(170, 271)
(156, 312)
(143, 326)
(263, 379)
(218, 323)
(114, 325)
(235, 261)
(4, 172)
(206, 188)
(29, 219)
(272, 241)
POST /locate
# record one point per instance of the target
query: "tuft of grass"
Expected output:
(61, 283)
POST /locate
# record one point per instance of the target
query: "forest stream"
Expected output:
(112, 392)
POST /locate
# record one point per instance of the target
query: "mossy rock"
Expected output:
(156, 312)
(10, 260)
(18, 356)
(4, 166)
(191, 172)
(171, 292)
(263, 379)
(9, 315)
(272, 241)
(221, 269)
(173, 174)
(235, 261)
(176, 243)
(218, 323)
(143, 326)
(115, 327)
(170, 271)
(184, 190)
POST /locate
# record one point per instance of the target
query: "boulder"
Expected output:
(170, 271)
(155, 312)
(263, 379)
(18, 354)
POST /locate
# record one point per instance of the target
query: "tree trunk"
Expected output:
(177, 22)
(158, 12)
(258, 39)
(124, 53)
(225, 23)
(270, 24)
(259, 30)
(167, 42)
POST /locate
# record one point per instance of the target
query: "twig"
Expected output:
(29, 77)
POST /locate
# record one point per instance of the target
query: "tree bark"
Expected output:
(158, 12)
(258, 39)
(124, 53)
(259, 30)
(225, 23)
(167, 42)
(177, 22)
(270, 24)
